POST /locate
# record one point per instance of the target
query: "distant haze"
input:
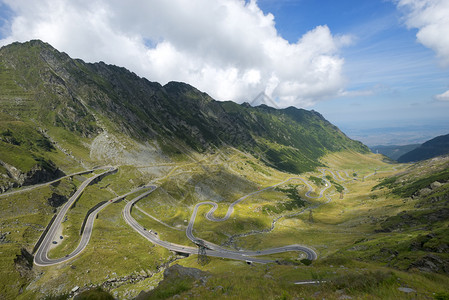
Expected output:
(400, 135)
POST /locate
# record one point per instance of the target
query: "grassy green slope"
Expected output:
(76, 96)
(357, 258)
(432, 148)
(216, 151)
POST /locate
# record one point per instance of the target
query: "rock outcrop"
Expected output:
(40, 173)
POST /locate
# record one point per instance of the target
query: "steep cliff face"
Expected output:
(24, 154)
(41, 85)
(46, 171)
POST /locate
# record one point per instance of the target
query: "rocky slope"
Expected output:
(426, 186)
(47, 89)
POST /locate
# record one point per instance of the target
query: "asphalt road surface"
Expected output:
(41, 258)
(31, 187)
(218, 252)
(311, 254)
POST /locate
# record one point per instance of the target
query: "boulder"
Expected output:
(435, 185)
(431, 263)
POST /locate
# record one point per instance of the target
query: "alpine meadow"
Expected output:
(116, 186)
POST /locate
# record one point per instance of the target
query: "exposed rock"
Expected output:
(56, 200)
(425, 191)
(41, 172)
(435, 185)
(406, 290)
(180, 271)
(24, 263)
(3, 237)
(431, 263)
(392, 253)
(174, 274)
(7, 186)
(430, 243)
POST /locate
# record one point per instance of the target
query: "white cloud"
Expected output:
(443, 97)
(228, 48)
(431, 18)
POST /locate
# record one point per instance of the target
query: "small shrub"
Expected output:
(94, 294)
(441, 296)
(306, 261)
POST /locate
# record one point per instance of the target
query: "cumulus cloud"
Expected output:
(443, 97)
(431, 19)
(228, 48)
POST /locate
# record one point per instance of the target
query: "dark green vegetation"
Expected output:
(94, 294)
(394, 151)
(294, 197)
(432, 148)
(24, 154)
(317, 181)
(338, 187)
(294, 201)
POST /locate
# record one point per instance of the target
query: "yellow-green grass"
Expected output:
(247, 216)
(126, 179)
(74, 218)
(115, 250)
(25, 203)
(336, 224)
(24, 216)
(237, 280)
(106, 189)
(76, 145)
(348, 160)
(336, 228)
(168, 205)
(131, 290)
(164, 233)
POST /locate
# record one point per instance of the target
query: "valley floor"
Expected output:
(337, 211)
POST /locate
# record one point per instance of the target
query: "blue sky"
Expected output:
(378, 69)
(385, 58)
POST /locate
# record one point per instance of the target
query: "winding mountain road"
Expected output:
(217, 251)
(31, 187)
(41, 256)
(311, 254)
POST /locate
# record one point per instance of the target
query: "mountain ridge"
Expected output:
(374, 225)
(64, 93)
(393, 151)
(430, 149)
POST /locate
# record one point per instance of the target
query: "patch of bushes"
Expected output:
(412, 188)
(94, 294)
(316, 180)
(387, 182)
(306, 261)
